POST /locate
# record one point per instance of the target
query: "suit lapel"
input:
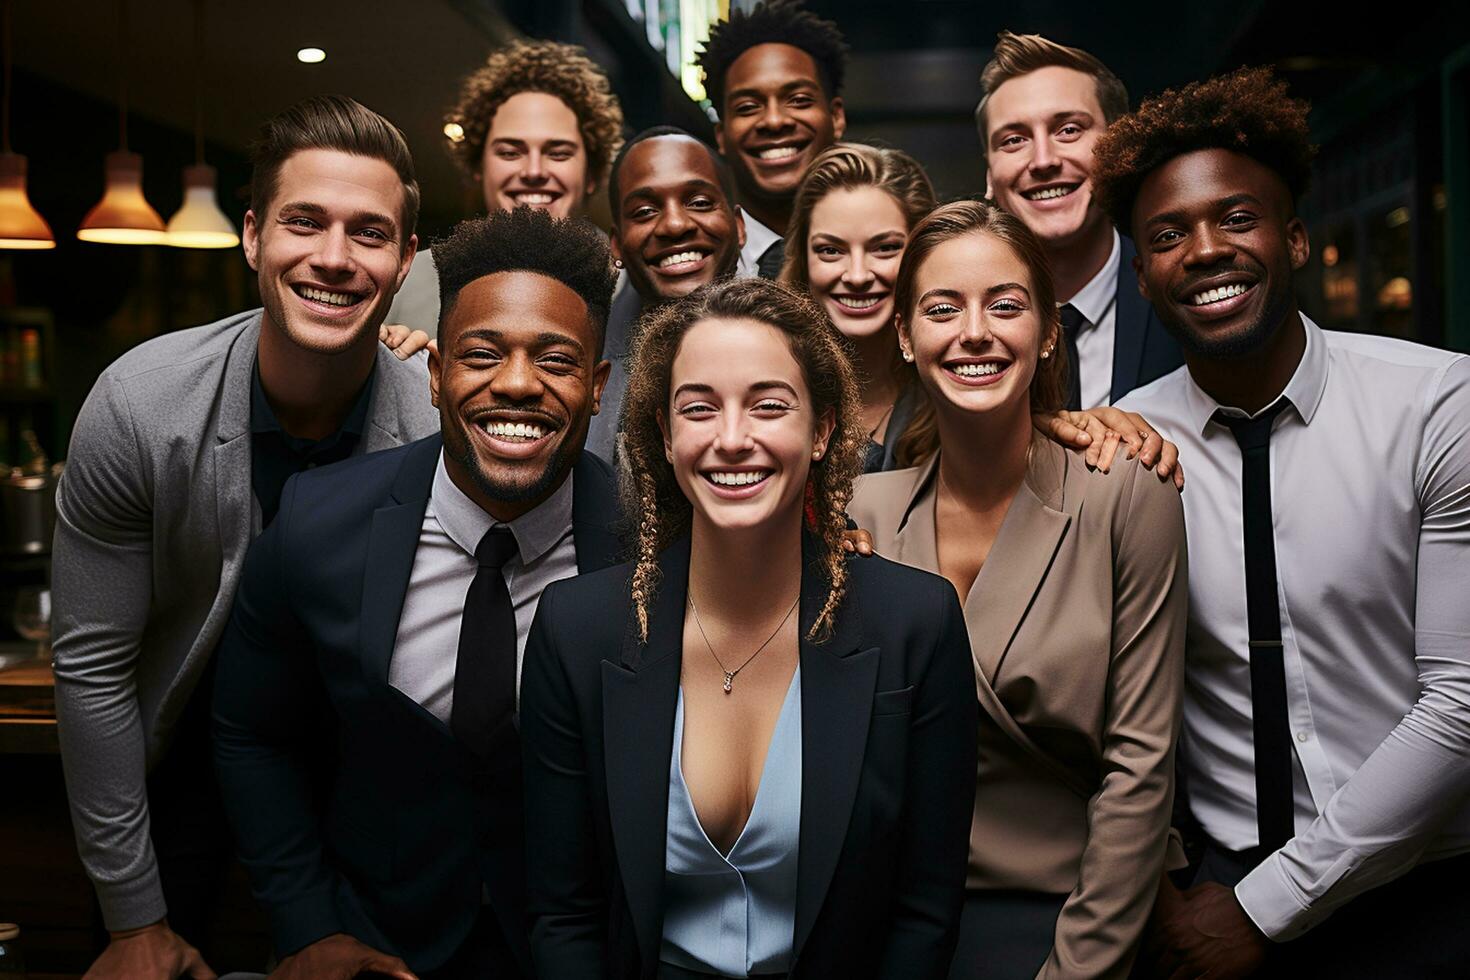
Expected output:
(838, 679)
(915, 543)
(235, 508)
(1019, 559)
(392, 542)
(1130, 324)
(639, 699)
(594, 514)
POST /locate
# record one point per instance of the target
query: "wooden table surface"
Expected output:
(27, 704)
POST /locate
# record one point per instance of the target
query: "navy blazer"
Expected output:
(889, 720)
(393, 841)
(1142, 349)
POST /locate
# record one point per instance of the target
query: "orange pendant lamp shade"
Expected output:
(123, 216)
(21, 226)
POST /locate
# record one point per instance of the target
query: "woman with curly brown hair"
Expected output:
(537, 125)
(1074, 593)
(733, 767)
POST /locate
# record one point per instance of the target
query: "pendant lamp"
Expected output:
(123, 216)
(21, 226)
(200, 223)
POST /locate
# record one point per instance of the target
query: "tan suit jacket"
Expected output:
(1076, 625)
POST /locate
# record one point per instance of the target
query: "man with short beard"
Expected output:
(675, 228)
(1326, 749)
(775, 75)
(392, 599)
(1042, 110)
(177, 460)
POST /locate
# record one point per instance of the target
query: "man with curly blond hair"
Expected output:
(1326, 748)
(537, 125)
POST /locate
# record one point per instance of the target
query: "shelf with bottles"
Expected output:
(27, 396)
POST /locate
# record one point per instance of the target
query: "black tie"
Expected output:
(1072, 321)
(1270, 726)
(485, 673)
(769, 264)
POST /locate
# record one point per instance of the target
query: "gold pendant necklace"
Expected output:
(730, 674)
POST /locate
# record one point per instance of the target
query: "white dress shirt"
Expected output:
(1370, 493)
(758, 238)
(427, 644)
(1098, 303)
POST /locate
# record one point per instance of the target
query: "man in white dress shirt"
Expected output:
(1326, 751)
(1042, 109)
(774, 75)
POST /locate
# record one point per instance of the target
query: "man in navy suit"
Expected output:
(1042, 109)
(366, 696)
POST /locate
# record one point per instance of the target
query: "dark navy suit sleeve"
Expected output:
(929, 890)
(268, 704)
(568, 907)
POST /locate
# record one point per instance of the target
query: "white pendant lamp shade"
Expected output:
(123, 216)
(200, 223)
(21, 226)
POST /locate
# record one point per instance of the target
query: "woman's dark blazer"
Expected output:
(889, 716)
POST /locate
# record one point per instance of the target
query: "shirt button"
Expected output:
(1302, 736)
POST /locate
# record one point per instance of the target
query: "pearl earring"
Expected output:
(1046, 353)
(617, 263)
(908, 355)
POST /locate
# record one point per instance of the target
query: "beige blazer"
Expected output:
(1076, 625)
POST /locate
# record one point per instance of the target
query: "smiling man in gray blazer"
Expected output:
(177, 462)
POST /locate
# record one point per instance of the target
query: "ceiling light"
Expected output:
(21, 226)
(311, 56)
(123, 216)
(200, 223)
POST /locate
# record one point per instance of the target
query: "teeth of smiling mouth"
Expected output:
(1216, 295)
(859, 303)
(331, 299)
(679, 259)
(1049, 193)
(976, 370)
(779, 152)
(514, 430)
(736, 479)
(533, 198)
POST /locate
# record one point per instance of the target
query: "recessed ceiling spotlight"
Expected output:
(311, 56)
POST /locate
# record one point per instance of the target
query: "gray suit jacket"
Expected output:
(154, 514)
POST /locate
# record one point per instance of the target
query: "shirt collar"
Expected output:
(758, 238)
(1101, 292)
(263, 417)
(536, 531)
(1304, 390)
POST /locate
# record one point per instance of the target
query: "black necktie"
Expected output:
(1270, 726)
(769, 264)
(1072, 321)
(485, 673)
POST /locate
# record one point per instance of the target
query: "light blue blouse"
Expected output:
(735, 915)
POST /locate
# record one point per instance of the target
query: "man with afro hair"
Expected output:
(537, 124)
(1326, 750)
(775, 77)
(373, 652)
